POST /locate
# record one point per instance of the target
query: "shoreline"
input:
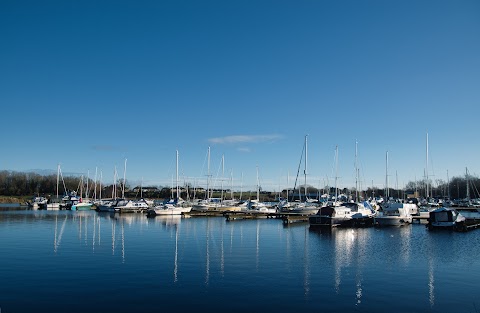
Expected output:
(14, 200)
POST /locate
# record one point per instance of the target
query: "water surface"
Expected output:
(63, 261)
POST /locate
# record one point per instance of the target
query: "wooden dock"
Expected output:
(287, 218)
(419, 219)
(243, 215)
(205, 213)
(294, 218)
(467, 225)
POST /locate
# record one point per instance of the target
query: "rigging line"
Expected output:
(63, 181)
(218, 173)
(298, 170)
(204, 162)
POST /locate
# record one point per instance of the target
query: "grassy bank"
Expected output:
(7, 199)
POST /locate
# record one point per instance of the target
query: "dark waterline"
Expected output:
(62, 261)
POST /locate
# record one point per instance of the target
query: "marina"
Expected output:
(207, 258)
(240, 156)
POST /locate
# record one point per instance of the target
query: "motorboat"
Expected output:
(38, 203)
(344, 214)
(261, 207)
(110, 205)
(395, 214)
(445, 218)
(132, 206)
(171, 207)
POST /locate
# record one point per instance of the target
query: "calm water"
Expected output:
(62, 261)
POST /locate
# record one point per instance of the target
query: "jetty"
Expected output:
(287, 218)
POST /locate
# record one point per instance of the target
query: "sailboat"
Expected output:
(394, 213)
(256, 205)
(203, 205)
(55, 205)
(176, 206)
(345, 213)
(83, 204)
(309, 206)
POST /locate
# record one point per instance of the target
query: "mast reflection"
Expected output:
(306, 272)
(58, 238)
(349, 250)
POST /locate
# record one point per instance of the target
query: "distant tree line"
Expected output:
(29, 184)
(32, 184)
(23, 184)
(456, 188)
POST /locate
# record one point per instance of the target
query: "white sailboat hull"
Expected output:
(167, 210)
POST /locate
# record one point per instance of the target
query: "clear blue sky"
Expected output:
(89, 83)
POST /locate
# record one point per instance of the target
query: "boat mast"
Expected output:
(426, 169)
(58, 177)
(124, 177)
(95, 185)
(258, 187)
(386, 178)
(208, 173)
(336, 173)
(356, 171)
(468, 187)
(231, 184)
(63, 181)
(288, 182)
(241, 188)
(305, 170)
(223, 175)
(86, 188)
(114, 190)
(81, 186)
(176, 173)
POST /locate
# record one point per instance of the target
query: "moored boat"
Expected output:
(444, 218)
(171, 207)
(38, 203)
(395, 214)
(132, 206)
(82, 205)
(346, 214)
(110, 205)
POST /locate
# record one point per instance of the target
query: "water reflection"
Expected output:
(350, 249)
(207, 254)
(344, 241)
(58, 235)
(343, 269)
(175, 267)
(405, 243)
(306, 266)
(431, 283)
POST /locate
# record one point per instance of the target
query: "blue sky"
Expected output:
(89, 83)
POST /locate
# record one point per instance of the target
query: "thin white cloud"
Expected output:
(243, 139)
(243, 149)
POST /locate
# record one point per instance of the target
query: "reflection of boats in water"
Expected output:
(167, 220)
